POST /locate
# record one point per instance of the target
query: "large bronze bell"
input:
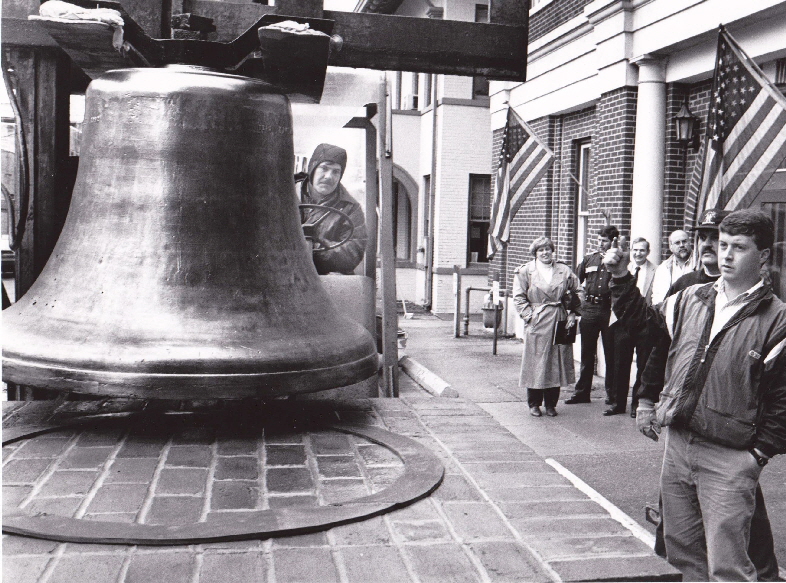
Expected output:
(182, 271)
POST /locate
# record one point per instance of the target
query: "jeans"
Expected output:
(761, 547)
(708, 501)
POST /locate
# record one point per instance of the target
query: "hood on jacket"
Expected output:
(327, 153)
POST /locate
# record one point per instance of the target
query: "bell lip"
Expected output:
(192, 386)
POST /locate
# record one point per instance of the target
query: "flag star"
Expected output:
(715, 137)
(736, 67)
(742, 101)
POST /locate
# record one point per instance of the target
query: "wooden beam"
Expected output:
(401, 43)
(515, 12)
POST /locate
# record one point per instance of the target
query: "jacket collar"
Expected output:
(708, 293)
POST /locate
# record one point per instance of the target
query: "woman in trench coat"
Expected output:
(545, 292)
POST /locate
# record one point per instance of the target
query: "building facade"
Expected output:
(442, 158)
(605, 80)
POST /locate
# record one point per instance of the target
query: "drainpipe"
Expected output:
(432, 198)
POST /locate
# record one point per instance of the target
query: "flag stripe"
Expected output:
(530, 181)
(769, 160)
(763, 149)
(531, 148)
(518, 179)
(524, 159)
(712, 170)
(739, 139)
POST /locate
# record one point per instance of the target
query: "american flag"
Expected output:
(746, 132)
(523, 161)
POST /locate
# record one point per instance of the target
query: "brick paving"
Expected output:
(501, 513)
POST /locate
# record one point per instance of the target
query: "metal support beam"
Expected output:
(388, 252)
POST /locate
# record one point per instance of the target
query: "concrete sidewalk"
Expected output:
(501, 513)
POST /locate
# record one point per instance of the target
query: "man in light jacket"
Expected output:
(678, 264)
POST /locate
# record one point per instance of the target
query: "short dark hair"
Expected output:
(640, 240)
(609, 231)
(753, 223)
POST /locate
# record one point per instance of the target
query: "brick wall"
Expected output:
(550, 208)
(681, 161)
(577, 127)
(553, 15)
(699, 104)
(612, 155)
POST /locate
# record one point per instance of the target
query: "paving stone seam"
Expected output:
(44, 478)
(473, 558)
(541, 561)
(338, 561)
(102, 476)
(147, 503)
(56, 554)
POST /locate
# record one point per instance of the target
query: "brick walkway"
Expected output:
(501, 513)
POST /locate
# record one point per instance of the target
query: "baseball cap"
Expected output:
(710, 219)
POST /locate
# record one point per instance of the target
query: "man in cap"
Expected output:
(706, 243)
(323, 187)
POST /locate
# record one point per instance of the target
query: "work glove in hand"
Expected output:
(647, 423)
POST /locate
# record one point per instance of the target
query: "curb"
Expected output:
(426, 379)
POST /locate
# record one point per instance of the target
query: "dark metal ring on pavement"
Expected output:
(423, 472)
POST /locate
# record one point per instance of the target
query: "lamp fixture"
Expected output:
(685, 125)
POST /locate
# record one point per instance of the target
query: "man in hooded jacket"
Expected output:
(323, 187)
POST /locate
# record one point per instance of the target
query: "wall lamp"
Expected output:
(686, 126)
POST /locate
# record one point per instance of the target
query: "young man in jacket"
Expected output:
(721, 394)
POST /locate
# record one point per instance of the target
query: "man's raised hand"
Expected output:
(616, 260)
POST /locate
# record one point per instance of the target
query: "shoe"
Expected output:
(551, 412)
(612, 411)
(535, 411)
(574, 399)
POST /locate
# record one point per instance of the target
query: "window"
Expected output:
(583, 157)
(480, 87)
(427, 89)
(479, 215)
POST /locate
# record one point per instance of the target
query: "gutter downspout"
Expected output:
(432, 198)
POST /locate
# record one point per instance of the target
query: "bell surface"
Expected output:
(182, 271)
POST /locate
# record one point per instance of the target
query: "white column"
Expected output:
(649, 156)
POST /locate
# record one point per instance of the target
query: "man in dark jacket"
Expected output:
(323, 187)
(595, 313)
(722, 397)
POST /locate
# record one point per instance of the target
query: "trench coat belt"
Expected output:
(538, 308)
